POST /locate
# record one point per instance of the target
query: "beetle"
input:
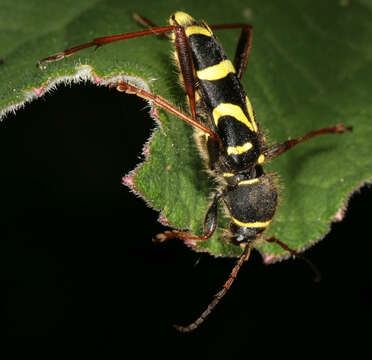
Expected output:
(229, 138)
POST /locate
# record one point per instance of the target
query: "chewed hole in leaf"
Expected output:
(292, 85)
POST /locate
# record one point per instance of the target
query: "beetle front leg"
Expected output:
(209, 227)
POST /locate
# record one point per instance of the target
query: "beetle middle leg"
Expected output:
(278, 149)
(128, 88)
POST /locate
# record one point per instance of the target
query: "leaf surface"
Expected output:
(310, 67)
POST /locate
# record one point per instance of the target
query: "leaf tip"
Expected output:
(38, 91)
(128, 180)
(163, 220)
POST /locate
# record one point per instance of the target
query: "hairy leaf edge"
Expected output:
(86, 73)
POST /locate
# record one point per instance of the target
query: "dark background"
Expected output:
(83, 277)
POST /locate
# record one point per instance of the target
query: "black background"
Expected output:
(83, 277)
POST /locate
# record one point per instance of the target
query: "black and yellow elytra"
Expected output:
(223, 106)
(226, 131)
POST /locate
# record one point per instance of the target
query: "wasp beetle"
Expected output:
(227, 133)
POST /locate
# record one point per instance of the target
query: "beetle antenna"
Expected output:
(317, 275)
(217, 298)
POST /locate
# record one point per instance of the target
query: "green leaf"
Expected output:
(310, 67)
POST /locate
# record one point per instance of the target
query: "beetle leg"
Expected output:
(243, 48)
(209, 227)
(278, 149)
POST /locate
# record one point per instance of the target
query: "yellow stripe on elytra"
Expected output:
(216, 72)
(249, 182)
(181, 18)
(227, 174)
(197, 30)
(251, 114)
(261, 159)
(227, 109)
(238, 150)
(257, 224)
